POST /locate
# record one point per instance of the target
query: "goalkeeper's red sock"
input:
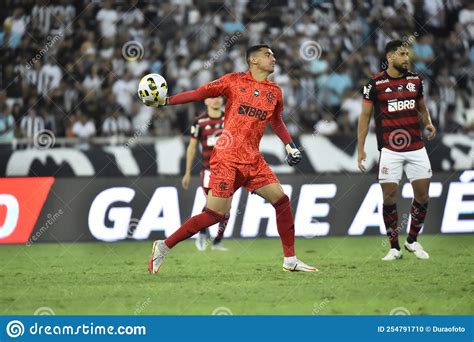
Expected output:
(203, 220)
(285, 225)
(220, 231)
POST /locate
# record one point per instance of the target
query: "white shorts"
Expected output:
(415, 163)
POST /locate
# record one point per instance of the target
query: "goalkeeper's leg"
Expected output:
(215, 210)
(285, 224)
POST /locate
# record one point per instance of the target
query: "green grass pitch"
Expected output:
(98, 278)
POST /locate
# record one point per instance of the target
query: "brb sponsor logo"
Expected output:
(396, 105)
(252, 112)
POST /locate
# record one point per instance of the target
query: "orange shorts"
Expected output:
(227, 177)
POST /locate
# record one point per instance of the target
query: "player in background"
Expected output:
(205, 130)
(252, 101)
(396, 98)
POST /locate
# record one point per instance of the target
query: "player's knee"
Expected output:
(422, 198)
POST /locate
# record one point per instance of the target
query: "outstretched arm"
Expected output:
(212, 89)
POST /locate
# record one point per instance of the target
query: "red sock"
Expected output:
(203, 220)
(285, 225)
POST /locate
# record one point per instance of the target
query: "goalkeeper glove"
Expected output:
(294, 155)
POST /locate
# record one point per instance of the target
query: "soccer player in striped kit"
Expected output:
(396, 98)
(205, 130)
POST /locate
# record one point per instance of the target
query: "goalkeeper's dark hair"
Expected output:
(393, 45)
(255, 48)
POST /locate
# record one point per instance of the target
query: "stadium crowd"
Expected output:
(72, 67)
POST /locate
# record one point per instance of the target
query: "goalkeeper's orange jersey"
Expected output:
(250, 104)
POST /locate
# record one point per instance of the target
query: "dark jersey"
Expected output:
(397, 125)
(207, 130)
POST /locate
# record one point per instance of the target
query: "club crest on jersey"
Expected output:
(411, 87)
(270, 96)
(256, 93)
(395, 105)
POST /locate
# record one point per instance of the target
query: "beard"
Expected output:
(401, 69)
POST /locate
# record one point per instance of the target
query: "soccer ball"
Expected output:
(152, 87)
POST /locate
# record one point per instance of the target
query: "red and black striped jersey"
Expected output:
(207, 130)
(397, 124)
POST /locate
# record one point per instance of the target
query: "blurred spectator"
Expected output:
(83, 129)
(31, 125)
(7, 126)
(117, 124)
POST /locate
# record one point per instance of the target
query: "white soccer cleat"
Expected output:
(219, 247)
(298, 266)
(158, 254)
(201, 243)
(417, 249)
(393, 254)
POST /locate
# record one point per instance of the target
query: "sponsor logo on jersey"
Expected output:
(381, 81)
(252, 112)
(396, 105)
(412, 77)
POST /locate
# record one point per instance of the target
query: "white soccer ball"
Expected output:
(152, 87)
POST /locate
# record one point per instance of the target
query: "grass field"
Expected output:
(96, 278)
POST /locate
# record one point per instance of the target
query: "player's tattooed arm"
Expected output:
(362, 131)
(426, 118)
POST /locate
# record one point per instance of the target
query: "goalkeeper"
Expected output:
(252, 101)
